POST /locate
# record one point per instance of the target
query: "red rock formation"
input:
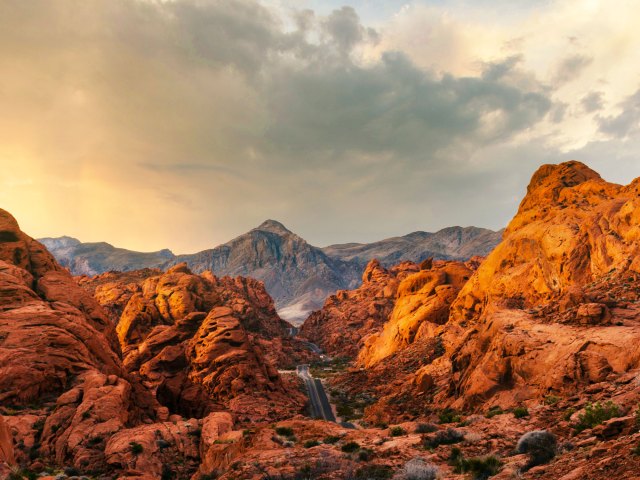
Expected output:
(550, 310)
(349, 316)
(199, 342)
(422, 305)
(58, 348)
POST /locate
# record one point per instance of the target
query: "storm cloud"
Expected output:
(143, 119)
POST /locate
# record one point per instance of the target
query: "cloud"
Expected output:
(592, 102)
(571, 67)
(183, 123)
(624, 123)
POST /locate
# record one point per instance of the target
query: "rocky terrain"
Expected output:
(521, 365)
(297, 275)
(142, 394)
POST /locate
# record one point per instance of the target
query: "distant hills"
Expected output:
(298, 276)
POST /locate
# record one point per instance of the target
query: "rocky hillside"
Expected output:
(94, 258)
(546, 330)
(296, 274)
(348, 317)
(149, 391)
(453, 243)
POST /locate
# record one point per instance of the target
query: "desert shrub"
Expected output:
(595, 414)
(551, 399)
(636, 450)
(444, 437)
(418, 469)
(374, 472)
(569, 413)
(540, 445)
(136, 448)
(397, 431)
(520, 412)
(365, 454)
(493, 411)
(93, 441)
(167, 473)
(638, 416)
(350, 447)
(426, 428)
(331, 439)
(449, 416)
(284, 431)
(480, 468)
(311, 443)
(71, 471)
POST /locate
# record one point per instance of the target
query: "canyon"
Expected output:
(515, 362)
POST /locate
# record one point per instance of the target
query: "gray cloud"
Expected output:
(571, 67)
(593, 102)
(626, 122)
(222, 106)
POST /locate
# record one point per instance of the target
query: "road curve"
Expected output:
(320, 406)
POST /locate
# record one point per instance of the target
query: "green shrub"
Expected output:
(350, 447)
(636, 450)
(374, 472)
(569, 413)
(311, 443)
(136, 448)
(480, 468)
(444, 437)
(284, 431)
(331, 439)
(449, 416)
(365, 454)
(493, 411)
(93, 441)
(520, 412)
(397, 431)
(426, 428)
(551, 400)
(595, 414)
(638, 416)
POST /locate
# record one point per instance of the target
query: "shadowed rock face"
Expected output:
(195, 341)
(350, 316)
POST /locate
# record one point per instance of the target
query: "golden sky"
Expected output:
(181, 124)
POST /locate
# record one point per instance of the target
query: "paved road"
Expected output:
(320, 406)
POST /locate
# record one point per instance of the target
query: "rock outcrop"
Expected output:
(201, 343)
(349, 316)
(422, 305)
(59, 352)
(553, 308)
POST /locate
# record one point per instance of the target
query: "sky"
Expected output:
(182, 124)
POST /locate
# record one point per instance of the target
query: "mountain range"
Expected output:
(298, 275)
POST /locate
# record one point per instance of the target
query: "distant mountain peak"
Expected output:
(273, 226)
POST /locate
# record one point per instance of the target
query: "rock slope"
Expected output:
(349, 316)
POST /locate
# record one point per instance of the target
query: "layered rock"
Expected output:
(552, 309)
(349, 316)
(422, 305)
(201, 343)
(58, 351)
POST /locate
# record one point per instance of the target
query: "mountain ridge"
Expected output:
(298, 275)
